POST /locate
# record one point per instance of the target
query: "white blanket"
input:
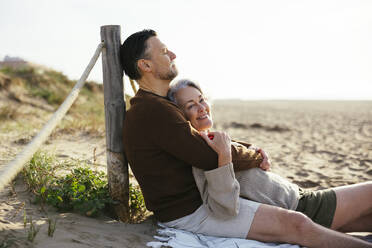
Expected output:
(170, 237)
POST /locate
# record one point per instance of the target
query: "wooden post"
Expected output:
(117, 165)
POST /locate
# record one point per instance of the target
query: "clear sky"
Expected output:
(262, 49)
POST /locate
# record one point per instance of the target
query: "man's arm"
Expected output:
(175, 135)
(243, 157)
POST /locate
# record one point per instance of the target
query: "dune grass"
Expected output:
(67, 185)
(52, 87)
(72, 185)
(8, 113)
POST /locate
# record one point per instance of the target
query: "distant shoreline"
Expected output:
(293, 100)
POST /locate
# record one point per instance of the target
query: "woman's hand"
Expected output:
(265, 164)
(221, 144)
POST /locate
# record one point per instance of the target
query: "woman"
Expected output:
(330, 208)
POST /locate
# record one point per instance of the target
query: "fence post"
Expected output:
(117, 165)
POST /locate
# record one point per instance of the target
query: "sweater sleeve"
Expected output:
(175, 135)
(223, 191)
(243, 157)
(219, 190)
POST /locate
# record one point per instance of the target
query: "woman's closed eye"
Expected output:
(191, 106)
(202, 100)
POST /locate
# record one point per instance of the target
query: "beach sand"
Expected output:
(316, 144)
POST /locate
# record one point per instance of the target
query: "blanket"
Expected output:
(170, 237)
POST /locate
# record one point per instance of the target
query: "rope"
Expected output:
(133, 86)
(9, 171)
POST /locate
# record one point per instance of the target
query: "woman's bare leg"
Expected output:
(273, 224)
(363, 224)
(353, 202)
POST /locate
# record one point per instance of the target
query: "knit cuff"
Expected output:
(221, 178)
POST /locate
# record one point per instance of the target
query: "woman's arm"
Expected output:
(220, 142)
(219, 188)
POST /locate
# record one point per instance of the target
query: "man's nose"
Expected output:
(172, 55)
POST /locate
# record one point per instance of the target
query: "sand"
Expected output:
(314, 144)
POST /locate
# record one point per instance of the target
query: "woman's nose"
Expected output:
(201, 107)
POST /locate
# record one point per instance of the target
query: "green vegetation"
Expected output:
(8, 112)
(47, 84)
(137, 208)
(83, 190)
(7, 242)
(33, 93)
(49, 96)
(52, 87)
(66, 185)
(51, 227)
(74, 186)
(32, 231)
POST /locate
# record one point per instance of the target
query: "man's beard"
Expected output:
(169, 75)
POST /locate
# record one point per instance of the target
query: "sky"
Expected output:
(252, 50)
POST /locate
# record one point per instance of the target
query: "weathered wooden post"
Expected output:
(117, 165)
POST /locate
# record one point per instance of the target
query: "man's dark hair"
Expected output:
(133, 49)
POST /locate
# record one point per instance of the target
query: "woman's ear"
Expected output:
(144, 65)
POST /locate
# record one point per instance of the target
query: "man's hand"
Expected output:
(221, 144)
(265, 165)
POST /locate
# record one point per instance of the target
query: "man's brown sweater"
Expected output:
(161, 147)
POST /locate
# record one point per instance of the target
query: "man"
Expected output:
(162, 147)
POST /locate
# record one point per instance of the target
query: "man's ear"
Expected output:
(144, 65)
